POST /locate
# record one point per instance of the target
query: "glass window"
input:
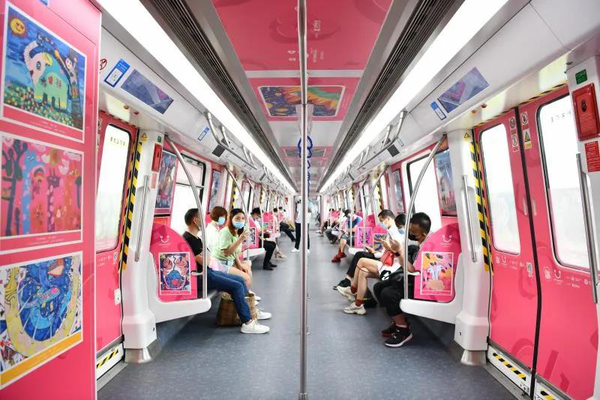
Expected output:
(427, 200)
(397, 183)
(366, 193)
(559, 146)
(113, 169)
(214, 189)
(383, 192)
(184, 195)
(501, 195)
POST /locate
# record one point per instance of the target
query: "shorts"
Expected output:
(219, 265)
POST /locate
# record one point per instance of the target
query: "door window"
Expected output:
(559, 147)
(367, 200)
(501, 196)
(115, 153)
(397, 183)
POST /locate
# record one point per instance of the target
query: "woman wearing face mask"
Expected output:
(229, 246)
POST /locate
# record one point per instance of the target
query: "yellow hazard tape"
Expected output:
(481, 203)
(129, 214)
(107, 357)
(511, 367)
(546, 396)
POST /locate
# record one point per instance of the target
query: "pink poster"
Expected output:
(41, 194)
(174, 264)
(358, 237)
(437, 263)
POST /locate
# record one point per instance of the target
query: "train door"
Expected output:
(514, 303)
(116, 142)
(566, 352)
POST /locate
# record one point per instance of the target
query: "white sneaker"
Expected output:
(347, 293)
(281, 256)
(295, 250)
(354, 309)
(262, 315)
(254, 327)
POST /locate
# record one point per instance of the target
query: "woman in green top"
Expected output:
(229, 246)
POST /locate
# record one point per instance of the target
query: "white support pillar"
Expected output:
(472, 322)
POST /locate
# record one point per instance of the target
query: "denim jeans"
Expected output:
(235, 286)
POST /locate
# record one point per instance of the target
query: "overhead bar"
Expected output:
(225, 142)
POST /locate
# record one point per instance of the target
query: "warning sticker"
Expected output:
(515, 142)
(144, 137)
(467, 137)
(524, 118)
(512, 123)
(526, 139)
(592, 156)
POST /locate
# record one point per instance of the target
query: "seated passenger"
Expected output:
(276, 219)
(370, 252)
(218, 218)
(369, 268)
(229, 247)
(268, 245)
(284, 225)
(349, 225)
(391, 291)
(216, 280)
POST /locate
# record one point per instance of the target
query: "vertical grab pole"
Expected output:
(199, 205)
(244, 206)
(302, 48)
(351, 213)
(409, 212)
(363, 205)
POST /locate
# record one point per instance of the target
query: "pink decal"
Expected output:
(41, 194)
(166, 183)
(437, 263)
(174, 264)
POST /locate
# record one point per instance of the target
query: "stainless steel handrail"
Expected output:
(409, 212)
(302, 49)
(589, 229)
(349, 191)
(372, 194)
(465, 181)
(140, 233)
(244, 206)
(201, 211)
(363, 207)
(224, 144)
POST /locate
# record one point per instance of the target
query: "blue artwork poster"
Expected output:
(43, 75)
(466, 88)
(40, 313)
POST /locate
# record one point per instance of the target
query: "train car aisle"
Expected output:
(347, 358)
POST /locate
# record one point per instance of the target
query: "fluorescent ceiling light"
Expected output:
(466, 22)
(134, 17)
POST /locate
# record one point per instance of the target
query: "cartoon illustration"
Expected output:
(175, 274)
(437, 273)
(41, 307)
(41, 188)
(281, 101)
(43, 75)
(166, 182)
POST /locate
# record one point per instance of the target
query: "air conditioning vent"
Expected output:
(218, 151)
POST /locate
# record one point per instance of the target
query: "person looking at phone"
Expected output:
(229, 246)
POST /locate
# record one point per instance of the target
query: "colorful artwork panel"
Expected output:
(358, 238)
(466, 88)
(443, 172)
(43, 77)
(166, 183)
(40, 313)
(281, 101)
(378, 246)
(41, 194)
(175, 273)
(437, 273)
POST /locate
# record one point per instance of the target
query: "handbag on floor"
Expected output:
(227, 314)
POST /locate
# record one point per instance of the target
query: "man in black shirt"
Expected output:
(232, 284)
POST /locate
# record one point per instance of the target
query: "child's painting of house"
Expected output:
(43, 75)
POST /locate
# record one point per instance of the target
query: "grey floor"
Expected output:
(347, 358)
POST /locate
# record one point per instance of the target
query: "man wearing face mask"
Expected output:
(391, 291)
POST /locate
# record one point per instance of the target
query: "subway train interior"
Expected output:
(277, 199)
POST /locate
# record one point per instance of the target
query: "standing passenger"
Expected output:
(268, 245)
(299, 227)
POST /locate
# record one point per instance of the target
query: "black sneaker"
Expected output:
(343, 283)
(272, 265)
(267, 267)
(399, 338)
(390, 330)
(370, 302)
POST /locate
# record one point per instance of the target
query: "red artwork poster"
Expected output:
(41, 194)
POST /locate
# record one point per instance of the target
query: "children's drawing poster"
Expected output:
(214, 189)
(443, 172)
(253, 239)
(174, 264)
(43, 83)
(437, 272)
(378, 238)
(41, 194)
(166, 183)
(358, 237)
(40, 313)
(175, 274)
(436, 262)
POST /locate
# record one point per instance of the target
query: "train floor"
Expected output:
(346, 355)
